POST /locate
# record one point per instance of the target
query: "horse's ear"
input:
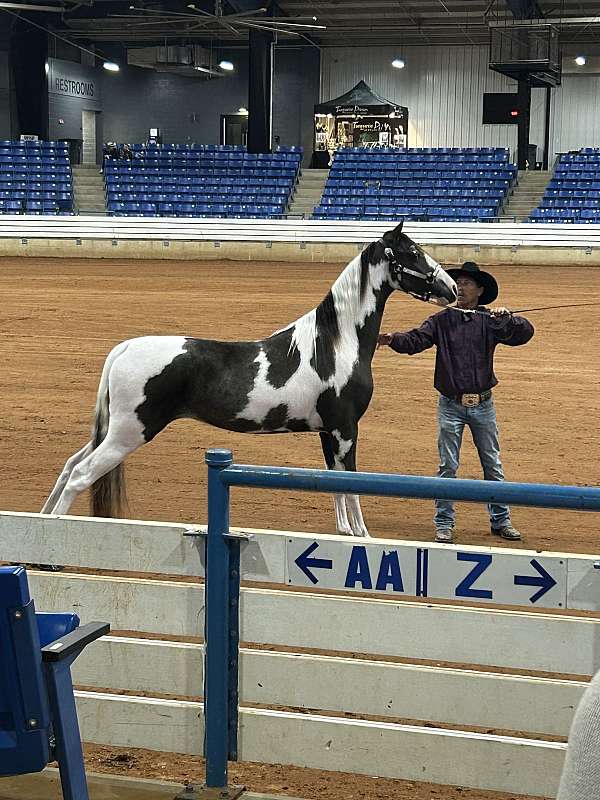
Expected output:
(393, 235)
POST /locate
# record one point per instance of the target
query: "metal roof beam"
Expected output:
(525, 9)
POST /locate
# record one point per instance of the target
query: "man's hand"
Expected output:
(384, 339)
(500, 311)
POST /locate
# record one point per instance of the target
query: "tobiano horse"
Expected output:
(314, 375)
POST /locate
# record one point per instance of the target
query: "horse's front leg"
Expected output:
(340, 454)
(341, 516)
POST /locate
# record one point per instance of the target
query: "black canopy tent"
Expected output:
(359, 118)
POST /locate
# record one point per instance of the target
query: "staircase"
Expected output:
(308, 192)
(526, 196)
(88, 190)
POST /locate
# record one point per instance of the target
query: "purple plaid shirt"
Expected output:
(464, 361)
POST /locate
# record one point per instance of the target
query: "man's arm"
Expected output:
(413, 341)
(510, 329)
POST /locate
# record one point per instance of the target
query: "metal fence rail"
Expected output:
(223, 563)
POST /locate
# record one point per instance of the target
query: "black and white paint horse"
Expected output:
(314, 375)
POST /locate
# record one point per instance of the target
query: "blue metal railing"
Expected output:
(223, 562)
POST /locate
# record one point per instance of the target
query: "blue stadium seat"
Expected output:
(37, 706)
(201, 173)
(28, 169)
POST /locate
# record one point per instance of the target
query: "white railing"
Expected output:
(293, 230)
(356, 672)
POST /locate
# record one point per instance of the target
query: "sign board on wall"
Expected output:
(76, 81)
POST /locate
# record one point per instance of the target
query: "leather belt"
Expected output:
(471, 400)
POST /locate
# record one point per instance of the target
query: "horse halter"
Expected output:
(399, 271)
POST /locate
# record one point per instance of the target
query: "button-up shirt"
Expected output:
(465, 343)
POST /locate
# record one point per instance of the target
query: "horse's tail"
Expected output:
(107, 494)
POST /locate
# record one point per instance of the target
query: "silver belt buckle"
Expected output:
(470, 400)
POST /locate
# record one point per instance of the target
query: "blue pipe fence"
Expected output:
(222, 587)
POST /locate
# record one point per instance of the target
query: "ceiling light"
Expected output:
(398, 63)
(580, 61)
(227, 65)
(111, 66)
(242, 110)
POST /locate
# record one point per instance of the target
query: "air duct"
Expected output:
(191, 60)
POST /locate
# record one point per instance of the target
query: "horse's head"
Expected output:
(415, 272)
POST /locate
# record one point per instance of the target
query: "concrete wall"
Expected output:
(318, 252)
(189, 109)
(184, 109)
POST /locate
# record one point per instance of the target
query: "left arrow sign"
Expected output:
(306, 563)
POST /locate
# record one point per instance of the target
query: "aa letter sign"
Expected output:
(487, 576)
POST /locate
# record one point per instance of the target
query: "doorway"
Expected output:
(234, 129)
(88, 131)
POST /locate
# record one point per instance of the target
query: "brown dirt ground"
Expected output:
(59, 319)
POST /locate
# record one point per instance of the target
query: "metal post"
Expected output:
(546, 158)
(216, 625)
(221, 636)
(234, 646)
(524, 106)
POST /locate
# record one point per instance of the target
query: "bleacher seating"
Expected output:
(35, 178)
(573, 193)
(420, 183)
(201, 181)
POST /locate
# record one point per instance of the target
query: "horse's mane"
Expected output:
(342, 302)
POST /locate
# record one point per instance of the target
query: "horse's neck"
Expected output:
(359, 295)
(352, 309)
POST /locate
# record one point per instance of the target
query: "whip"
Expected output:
(521, 310)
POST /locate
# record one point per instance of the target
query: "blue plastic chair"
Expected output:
(38, 718)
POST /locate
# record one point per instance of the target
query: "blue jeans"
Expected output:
(481, 419)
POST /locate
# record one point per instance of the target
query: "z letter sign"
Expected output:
(523, 579)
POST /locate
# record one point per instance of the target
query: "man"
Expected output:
(465, 337)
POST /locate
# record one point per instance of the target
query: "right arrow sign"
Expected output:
(543, 579)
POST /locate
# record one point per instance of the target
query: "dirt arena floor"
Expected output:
(59, 319)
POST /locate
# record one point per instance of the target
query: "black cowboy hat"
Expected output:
(471, 270)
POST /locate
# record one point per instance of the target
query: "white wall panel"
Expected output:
(576, 113)
(442, 87)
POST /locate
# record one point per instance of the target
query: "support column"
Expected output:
(524, 106)
(546, 156)
(260, 91)
(28, 56)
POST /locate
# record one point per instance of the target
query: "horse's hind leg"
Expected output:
(109, 454)
(64, 476)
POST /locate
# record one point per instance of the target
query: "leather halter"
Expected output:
(399, 271)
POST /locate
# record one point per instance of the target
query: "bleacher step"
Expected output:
(309, 191)
(88, 189)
